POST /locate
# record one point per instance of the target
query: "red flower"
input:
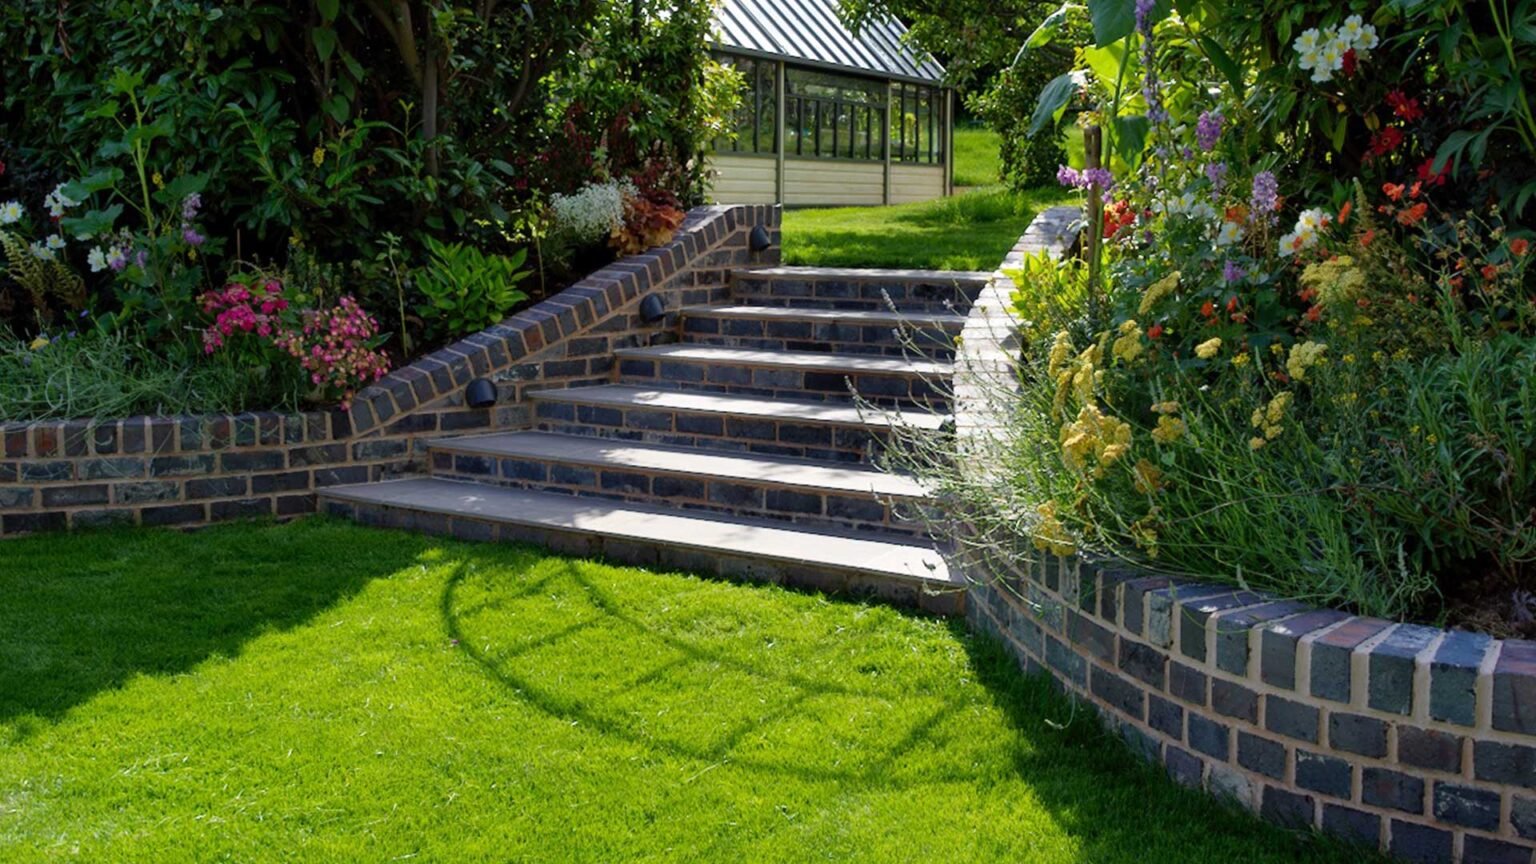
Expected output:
(1405, 108)
(1155, 331)
(1345, 211)
(1315, 314)
(1490, 272)
(1367, 238)
(1393, 191)
(1232, 303)
(1351, 63)
(2, 169)
(1384, 142)
(1519, 246)
(1440, 179)
(1412, 215)
(1208, 309)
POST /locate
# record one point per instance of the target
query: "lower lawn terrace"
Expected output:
(319, 691)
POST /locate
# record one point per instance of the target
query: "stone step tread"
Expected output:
(716, 533)
(809, 361)
(706, 402)
(861, 274)
(860, 317)
(777, 471)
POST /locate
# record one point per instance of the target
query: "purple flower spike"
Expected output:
(1266, 192)
(1208, 130)
(191, 236)
(1232, 272)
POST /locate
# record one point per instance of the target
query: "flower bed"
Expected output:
(190, 470)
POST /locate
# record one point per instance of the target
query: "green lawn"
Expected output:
(322, 692)
(977, 159)
(970, 231)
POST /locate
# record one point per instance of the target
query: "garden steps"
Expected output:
(872, 332)
(890, 568)
(775, 426)
(931, 291)
(794, 490)
(879, 379)
(742, 442)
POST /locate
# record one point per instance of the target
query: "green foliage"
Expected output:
(378, 694)
(467, 290)
(99, 372)
(978, 159)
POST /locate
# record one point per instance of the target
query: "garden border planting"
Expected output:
(1412, 739)
(196, 470)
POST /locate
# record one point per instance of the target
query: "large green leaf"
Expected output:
(1131, 137)
(1114, 20)
(1054, 99)
(1224, 64)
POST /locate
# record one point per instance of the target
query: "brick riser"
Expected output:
(851, 295)
(924, 343)
(883, 389)
(690, 492)
(659, 555)
(828, 442)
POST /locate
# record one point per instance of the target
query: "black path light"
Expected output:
(480, 393)
(652, 308)
(759, 239)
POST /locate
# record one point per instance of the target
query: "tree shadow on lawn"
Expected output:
(86, 612)
(1115, 807)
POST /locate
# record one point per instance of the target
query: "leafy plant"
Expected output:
(467, 290)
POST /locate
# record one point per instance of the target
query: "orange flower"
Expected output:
(1345, 211)
(1457, 282)
(1208, 309)
(1315, 313)
(1367, 238)
(1490, 272)
(1414, 192)
(1232, 303)
(1393, 190)
(1238, 214)
(1519, 246)
(1155, 331)
(1413, 214)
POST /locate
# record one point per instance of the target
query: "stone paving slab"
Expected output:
(807, 360)
(765, 470)
(849, 316)
(715, 534)
(698, 402)
(860, 274)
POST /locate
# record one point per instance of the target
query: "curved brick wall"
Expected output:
(1413, 739)
(194, 470)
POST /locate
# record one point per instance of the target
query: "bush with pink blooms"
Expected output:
(331, 351)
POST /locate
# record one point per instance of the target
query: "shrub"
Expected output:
(467, 290)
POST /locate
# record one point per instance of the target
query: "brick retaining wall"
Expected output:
(195, 470)
(1416, 740)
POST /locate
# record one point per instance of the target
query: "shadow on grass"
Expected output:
(87, 612)
(1088, 782)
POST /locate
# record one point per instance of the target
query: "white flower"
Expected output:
(41, 252)
(97, 260)
(1313, 219)
(590, 214)
(1230, 233)
(1330, 59)
(1307, 41)
(1367, 39)
(1308, 59)
(55, 242)
(10, 213)
(1352, 30)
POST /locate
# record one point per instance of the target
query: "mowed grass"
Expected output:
(322, 692)
(969, 231)
(978, 160)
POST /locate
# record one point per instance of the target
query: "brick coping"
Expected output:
(1412, 739)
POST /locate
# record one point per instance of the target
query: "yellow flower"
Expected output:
(1094, 435)
(1147, 477)
(1165, 408)
(1208, 349)
(318, 157)
(1128, 347)
(1169, 430)
(1255, 443)
(39, 343)
(1303, 357)
(1050, 535)
(1276, 348)
(1240, 360)
(158, 180)
(1061, 352)
(1157, 291)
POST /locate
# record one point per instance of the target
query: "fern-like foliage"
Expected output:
(41, 279)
